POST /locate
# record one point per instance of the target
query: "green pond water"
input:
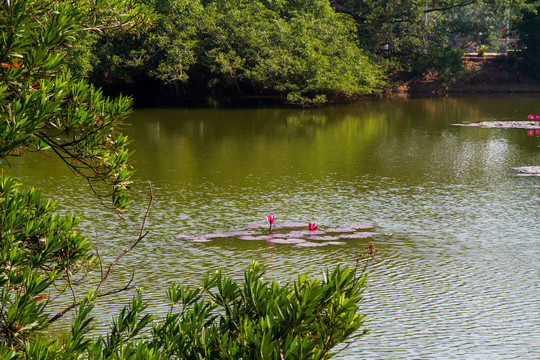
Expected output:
(458, 279)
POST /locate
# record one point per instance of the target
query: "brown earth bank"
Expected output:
(491, 73)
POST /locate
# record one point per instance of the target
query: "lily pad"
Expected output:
(212, 236)
(199, 239)
(297, 233)
(277, 225)
(311, 244)
(527, 171)
(324, 238)
(256, 226)
(341, 229)
(208, 237)
(287, 241)
(358, 235)
(292, 225)
(278, 235)
(249, 237)
(503, 124)
(316, 232)
(241, 233)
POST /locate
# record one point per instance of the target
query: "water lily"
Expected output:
(537, 117)
(271, 219)
(313, 227)
(530, 132)
(530, 117)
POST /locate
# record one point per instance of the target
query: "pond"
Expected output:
(458, 271)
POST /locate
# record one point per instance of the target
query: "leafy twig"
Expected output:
(142, 235)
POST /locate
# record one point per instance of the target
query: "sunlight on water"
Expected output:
(459, 279)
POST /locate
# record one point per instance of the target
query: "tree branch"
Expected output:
(449, 7)
(142, 235)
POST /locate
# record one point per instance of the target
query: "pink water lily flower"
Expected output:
(313, 227)
(271, 219)
(530, 117)
(537, 117)
(530, 132)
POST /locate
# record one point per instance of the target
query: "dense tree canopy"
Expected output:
(405, 31)
(527, 27)
(302, 50)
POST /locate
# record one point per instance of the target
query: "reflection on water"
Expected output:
(459, 278)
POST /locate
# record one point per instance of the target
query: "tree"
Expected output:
(424, 35)
(527, 27)
(301, 50)
(44, 108)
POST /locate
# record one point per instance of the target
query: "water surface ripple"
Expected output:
(460, 277)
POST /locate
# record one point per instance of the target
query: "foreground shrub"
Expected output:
(223, 319)
(260, 319)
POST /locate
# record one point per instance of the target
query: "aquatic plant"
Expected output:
(293, 233)
(271, 219)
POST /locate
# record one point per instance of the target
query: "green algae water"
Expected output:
(458, 271)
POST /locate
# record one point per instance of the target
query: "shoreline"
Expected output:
(488, 74)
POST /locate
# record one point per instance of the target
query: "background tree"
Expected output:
(303, 51)
(529, 38)
(433, 34)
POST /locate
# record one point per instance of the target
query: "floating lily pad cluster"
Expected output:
(503, 124)
(533, 128)
(527, 171)
(293, 233)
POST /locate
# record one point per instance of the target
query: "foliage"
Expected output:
(405, 31)
(44, 107)
(38, 248)
(225, 320)
(261, 319)
(301, 50)
(482, 50)
(530, 41)
(446, 61)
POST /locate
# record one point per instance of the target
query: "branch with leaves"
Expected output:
(105, 276)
